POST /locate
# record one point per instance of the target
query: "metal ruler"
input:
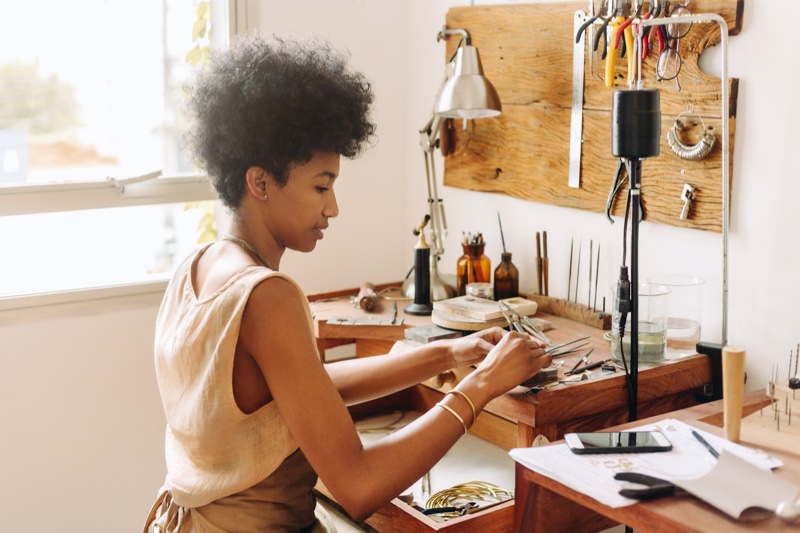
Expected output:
(576, 122)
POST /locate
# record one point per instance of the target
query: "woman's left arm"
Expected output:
(363, 379)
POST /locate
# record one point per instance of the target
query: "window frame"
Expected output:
(150, 189)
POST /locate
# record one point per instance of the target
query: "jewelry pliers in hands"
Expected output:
(522, 324)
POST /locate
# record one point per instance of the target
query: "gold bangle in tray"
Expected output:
(471, 405)
(451, 411)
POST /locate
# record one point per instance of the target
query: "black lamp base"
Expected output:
(419, 309)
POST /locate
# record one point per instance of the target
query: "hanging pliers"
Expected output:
(616, 185)
(621, 26)
(589, 22)
(656, 32)
(620, 177)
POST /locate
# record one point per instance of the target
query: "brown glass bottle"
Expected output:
(506, 278)
(472, 267)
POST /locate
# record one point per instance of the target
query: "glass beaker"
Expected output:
(684, 312)
(652, 327)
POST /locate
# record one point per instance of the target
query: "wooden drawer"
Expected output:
(400, 517)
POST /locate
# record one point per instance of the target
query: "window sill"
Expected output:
(94, 300)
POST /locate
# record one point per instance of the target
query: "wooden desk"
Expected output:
(543, 504)
(587, 406)
(368, 339)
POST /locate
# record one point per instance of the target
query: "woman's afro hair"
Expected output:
(273, 102)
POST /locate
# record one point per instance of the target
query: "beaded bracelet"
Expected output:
(471, 405)
(451, 411)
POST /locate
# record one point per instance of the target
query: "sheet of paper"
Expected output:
(593, 475)
(755, 487)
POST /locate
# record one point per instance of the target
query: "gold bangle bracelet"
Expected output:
(471, 405)
(451, 411)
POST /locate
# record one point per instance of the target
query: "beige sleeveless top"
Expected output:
(226, 470)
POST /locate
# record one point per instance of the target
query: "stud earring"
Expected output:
(690, 152)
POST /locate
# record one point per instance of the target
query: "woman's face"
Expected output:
(299, 212)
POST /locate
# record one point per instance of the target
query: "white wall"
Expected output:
(82, 427)
(81, 424)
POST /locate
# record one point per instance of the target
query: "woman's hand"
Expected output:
(515, 358)
(472, 349)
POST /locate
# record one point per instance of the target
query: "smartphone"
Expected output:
(618, 442)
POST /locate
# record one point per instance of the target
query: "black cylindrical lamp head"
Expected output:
(636, 124)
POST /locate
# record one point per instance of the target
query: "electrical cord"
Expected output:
(623, 297)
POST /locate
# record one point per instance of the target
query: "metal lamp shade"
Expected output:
(468, 94)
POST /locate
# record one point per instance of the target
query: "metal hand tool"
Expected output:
(545, 264)
(596, 278)
(553, 348)
(539, 263)
(523, 325)
(582, 360)
(591, 366)
(569, 277)
(568, 350)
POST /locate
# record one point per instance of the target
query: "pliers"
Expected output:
(616, 185)
(656, 32)
(655, 487)
(621, 26)
(589, 22)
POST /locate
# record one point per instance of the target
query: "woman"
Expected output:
(253, 416)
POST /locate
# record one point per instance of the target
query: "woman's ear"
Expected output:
(258, 181)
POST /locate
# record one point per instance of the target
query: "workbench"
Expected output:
(544, 504)
(515, 419)
(585, 406)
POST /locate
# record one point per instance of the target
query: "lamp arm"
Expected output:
(429, 138)
(445, 32)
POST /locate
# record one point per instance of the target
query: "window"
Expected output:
(94, 182)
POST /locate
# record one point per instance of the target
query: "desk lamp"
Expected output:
(467, 94)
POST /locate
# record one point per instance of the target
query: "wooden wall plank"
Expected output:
(526, 51)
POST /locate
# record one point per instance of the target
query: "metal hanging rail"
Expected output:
(723, 25)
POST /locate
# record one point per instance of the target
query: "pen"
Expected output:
(394, 312)
(707, 446)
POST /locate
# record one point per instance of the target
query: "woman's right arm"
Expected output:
(275, 332)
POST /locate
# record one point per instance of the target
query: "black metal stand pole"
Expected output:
(635, 184)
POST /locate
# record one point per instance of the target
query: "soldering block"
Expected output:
(542, 376)
(430, 333)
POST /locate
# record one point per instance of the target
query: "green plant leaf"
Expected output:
(199, 29)
(207, 236)
(194, 56)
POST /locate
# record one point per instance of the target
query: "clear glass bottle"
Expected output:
(472, 267)
(506, 278)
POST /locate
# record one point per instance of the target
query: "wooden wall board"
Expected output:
(526, 51)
